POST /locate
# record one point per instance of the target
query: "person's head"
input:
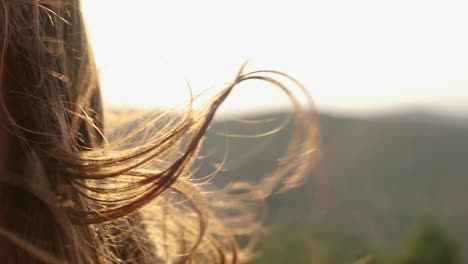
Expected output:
(68, 195)
(49, 74)
(50, 112)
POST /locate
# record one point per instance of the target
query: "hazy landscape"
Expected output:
(386, 188)
(378, 177)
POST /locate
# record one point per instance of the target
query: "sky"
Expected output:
(362, 56)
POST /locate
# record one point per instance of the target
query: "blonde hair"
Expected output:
(71, 196)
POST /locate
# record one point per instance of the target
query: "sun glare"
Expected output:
(353, 55)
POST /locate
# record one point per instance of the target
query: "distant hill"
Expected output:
(377, 173)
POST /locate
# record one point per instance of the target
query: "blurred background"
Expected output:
(390, 83)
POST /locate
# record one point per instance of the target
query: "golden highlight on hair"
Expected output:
(73, 196)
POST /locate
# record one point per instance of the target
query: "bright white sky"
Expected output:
(354, 56)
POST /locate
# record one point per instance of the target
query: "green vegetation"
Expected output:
(286, 246)
(428, 242)
(302, 245)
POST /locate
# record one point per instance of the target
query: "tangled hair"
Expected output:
(70, 196)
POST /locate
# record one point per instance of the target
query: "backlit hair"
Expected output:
(72, 197)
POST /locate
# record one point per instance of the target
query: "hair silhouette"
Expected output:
(70, 196)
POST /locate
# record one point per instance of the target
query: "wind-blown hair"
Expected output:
(70, 196)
